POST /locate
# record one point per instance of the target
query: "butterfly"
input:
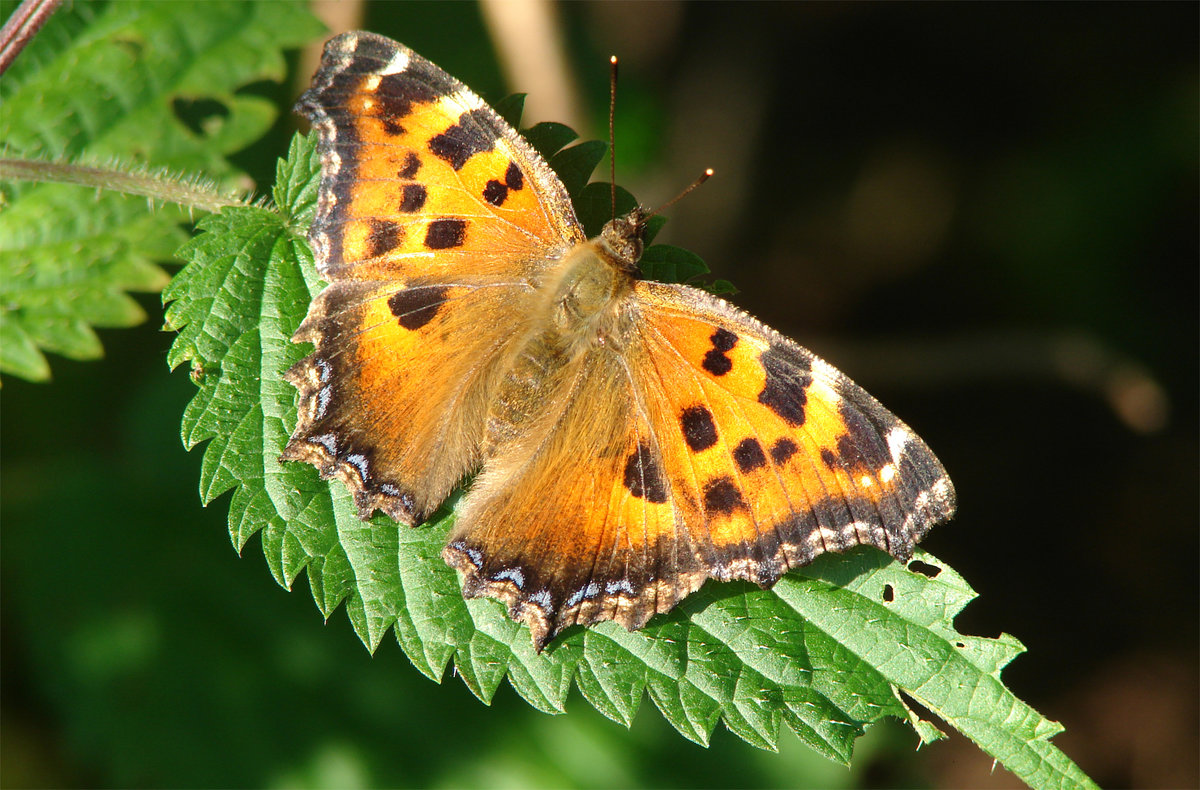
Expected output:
(629, 439)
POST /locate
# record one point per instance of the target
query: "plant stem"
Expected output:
(22, 26)
(171, 190)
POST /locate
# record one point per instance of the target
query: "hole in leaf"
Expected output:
(889, 594)
(959, 644)
(262, 88)
(203, 116)
(924, 568)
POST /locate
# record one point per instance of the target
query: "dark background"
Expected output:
(985, 214)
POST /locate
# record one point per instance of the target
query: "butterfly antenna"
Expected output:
(707, 174)
(612, 137)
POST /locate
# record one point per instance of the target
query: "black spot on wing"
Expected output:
(471, 135)
(830, 459)
(384, 237)
(445, 233)
(495, 193)
(783, 450)
(749, 455)
(392, 126)
(699, 430)
(788, 376)
(723, 340)
(415, 307)
(716, 363)
(413, 197)
(412, 163)
(643, 476)
(715, 360)
(722, 496)
(513, 177)
(396, 94)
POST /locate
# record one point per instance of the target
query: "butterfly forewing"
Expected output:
(434, 220)
(419, 175)
(785, 457)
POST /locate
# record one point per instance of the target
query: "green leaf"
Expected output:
(833, 648)
(549, 137)
(672, 264)
(510, 109)
(574, 165)
(120, 82)
(594, 206)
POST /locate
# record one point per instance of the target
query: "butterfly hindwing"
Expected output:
(394, 399)
(575, 522)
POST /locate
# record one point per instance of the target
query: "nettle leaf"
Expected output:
(133, 84)
(574, 165)
(833, 648)
(510, 108)
(548, 137)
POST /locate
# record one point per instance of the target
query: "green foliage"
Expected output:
(136, 83)
(827, 652)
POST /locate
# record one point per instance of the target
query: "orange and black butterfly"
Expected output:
(631, 438)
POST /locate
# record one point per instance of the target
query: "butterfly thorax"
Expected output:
(580, 306)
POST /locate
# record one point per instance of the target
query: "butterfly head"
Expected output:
(623, 239)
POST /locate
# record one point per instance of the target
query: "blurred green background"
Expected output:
(985, 214)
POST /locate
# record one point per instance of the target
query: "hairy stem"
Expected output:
(21, 27)
(186, 192)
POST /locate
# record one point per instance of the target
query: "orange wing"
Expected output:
(420, 176)
(705, 446)
(779, 455)
(434, 223)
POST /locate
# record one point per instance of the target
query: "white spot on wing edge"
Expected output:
(324, 397)
(359, 462)
(398, 63)
(824, 371)
(897, 439)
(465, 98)
(513, 575)
(618, 586)
(940, 489)
(473, 554)
(347, 43)
(326, 440)
(591, 590)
